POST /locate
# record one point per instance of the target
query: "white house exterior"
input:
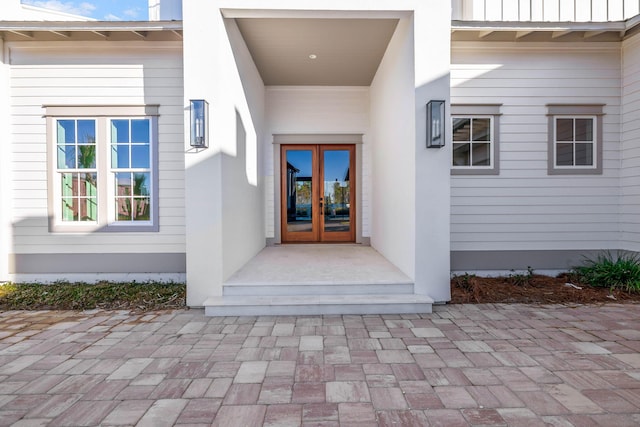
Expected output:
(100, 180)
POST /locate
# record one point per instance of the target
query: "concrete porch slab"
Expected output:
(318, 264)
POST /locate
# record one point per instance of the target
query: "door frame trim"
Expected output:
(316, 139)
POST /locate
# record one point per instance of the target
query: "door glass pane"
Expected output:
(298, 190)
(337, 191)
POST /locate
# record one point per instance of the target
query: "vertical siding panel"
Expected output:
(510, 11)
(478, 10)
(525, 10)
(599, 10)
(545, 10)
(567, 11)
(616, 12)
(631, 8)
(583, 10)
(537, 10)
(493, 10)
(551, 10)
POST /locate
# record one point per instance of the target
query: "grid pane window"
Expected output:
(574, 142)
(472, 141)
(131, 169)
(76, 169)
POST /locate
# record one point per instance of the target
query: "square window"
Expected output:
(474, 144)
(575, 139)
(574, 144)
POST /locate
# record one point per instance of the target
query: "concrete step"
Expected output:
(316, 288)
(292, 305)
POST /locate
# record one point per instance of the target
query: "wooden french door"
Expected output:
(318, 193)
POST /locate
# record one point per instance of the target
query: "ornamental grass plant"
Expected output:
(619, 271)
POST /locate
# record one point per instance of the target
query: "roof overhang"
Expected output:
(90, 30)
(544, 31)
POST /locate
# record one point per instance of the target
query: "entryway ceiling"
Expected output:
(347, 51)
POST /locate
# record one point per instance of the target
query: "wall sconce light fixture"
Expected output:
(435, 124)
(199, 130)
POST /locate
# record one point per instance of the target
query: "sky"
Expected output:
(102, 10)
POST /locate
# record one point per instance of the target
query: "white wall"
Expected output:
(432, 198)
(203, 184)
(410, 184)
(224, 202)
(242, 183)
(630, 149)
(393, 152)
(93, 73)
(524, 208)
(308, 110)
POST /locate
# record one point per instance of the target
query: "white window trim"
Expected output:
(593, 111)
(480, 111)
(594, 142)
(106, 214)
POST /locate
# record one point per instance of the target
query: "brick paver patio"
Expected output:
(516, 365)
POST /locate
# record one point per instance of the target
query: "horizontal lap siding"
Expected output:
(630, 174)
(524, 208)
(100, 73)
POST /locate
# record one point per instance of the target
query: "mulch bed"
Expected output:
(535, 289)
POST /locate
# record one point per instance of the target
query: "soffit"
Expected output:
(348, 51)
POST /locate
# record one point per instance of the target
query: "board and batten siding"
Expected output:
(102, 73)
(524, 208)
(545, 10)
(630, 168)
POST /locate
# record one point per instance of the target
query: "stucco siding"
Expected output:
(630, 173)
(525, 208)
(242, 192)
(93, 74)
(393, 152)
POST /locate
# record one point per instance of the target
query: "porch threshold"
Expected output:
(294, 305)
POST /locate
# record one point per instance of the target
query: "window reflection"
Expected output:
(337, 191)
(299, 190)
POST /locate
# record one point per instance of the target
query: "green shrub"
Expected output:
(83, 296)
(619, 271)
